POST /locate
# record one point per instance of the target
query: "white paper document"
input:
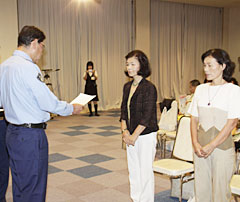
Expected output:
(83, 99)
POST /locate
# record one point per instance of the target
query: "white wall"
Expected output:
(9, 28)
(231, 36)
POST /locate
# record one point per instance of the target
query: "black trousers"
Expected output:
(4, 162)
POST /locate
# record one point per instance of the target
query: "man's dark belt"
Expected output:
(32, 125)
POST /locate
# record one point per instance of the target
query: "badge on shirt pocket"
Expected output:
(40, 78)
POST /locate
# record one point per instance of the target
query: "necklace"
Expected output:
(136, 81)
(211, 99)
(135, 84)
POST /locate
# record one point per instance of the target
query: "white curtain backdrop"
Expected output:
(77, 32)
(180, 33)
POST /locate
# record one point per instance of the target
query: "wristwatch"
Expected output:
(124, 130)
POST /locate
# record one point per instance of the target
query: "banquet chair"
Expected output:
(167, 127)
(180, 166)
(235, 181)
(235, 186)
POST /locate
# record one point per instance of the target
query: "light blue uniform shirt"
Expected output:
(24, 97)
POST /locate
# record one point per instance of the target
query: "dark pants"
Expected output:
(4, 162)
(28, 152)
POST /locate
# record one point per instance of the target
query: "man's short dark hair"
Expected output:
(29, 34)
(195, 82)
(144, 70)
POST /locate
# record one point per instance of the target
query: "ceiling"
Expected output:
(215, 3)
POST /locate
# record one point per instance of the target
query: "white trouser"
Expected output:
(140, 159)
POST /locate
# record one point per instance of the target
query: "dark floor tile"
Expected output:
(79, 127)
(95, 158)
(89, 171)
(52, 169)
(75, 133)
(57, 157)
(109, 127)
(107, 133)
(165, 196)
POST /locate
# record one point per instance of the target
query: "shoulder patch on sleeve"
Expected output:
(40, 78)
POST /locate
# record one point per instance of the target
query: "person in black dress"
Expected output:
(91, 87)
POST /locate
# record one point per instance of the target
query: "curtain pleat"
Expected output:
(77, 32)
(180, 33)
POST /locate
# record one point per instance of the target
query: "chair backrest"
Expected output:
(166, 103)
(168, 120)
(183, 144)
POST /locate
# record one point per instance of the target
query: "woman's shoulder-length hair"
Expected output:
(145, 69)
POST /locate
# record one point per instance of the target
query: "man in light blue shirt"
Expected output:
(27, 102)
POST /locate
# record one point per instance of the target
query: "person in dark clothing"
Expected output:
(91, 87)
(4, 161)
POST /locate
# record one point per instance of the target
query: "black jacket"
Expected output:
(142, 107)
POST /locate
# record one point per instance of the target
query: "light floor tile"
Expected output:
(110, 179)
(77, 152)
(69, 140)
(124, 188)
(116, 164)
(54, 194)
(69, 164)
(99, 148)
(116, 153)
(84, 144)
(62, 178)
(81, 187)
(106, 195)
(104, 140)
(124, 171)
(88, 137)
(60, 148)
(75, 200)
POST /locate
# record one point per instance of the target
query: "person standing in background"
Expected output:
(215, 111)
(192, 87)
(139, 126)
(234, 81)
(90, 76)
(27, 103)
(185, 101)
(4, 161)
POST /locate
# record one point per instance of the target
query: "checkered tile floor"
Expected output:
(86, 161)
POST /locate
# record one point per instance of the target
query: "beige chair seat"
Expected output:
(172, 167)
(235, 184)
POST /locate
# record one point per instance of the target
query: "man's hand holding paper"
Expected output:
(80, 101)
(83, 99)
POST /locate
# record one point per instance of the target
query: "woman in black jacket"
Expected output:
(139, 126)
